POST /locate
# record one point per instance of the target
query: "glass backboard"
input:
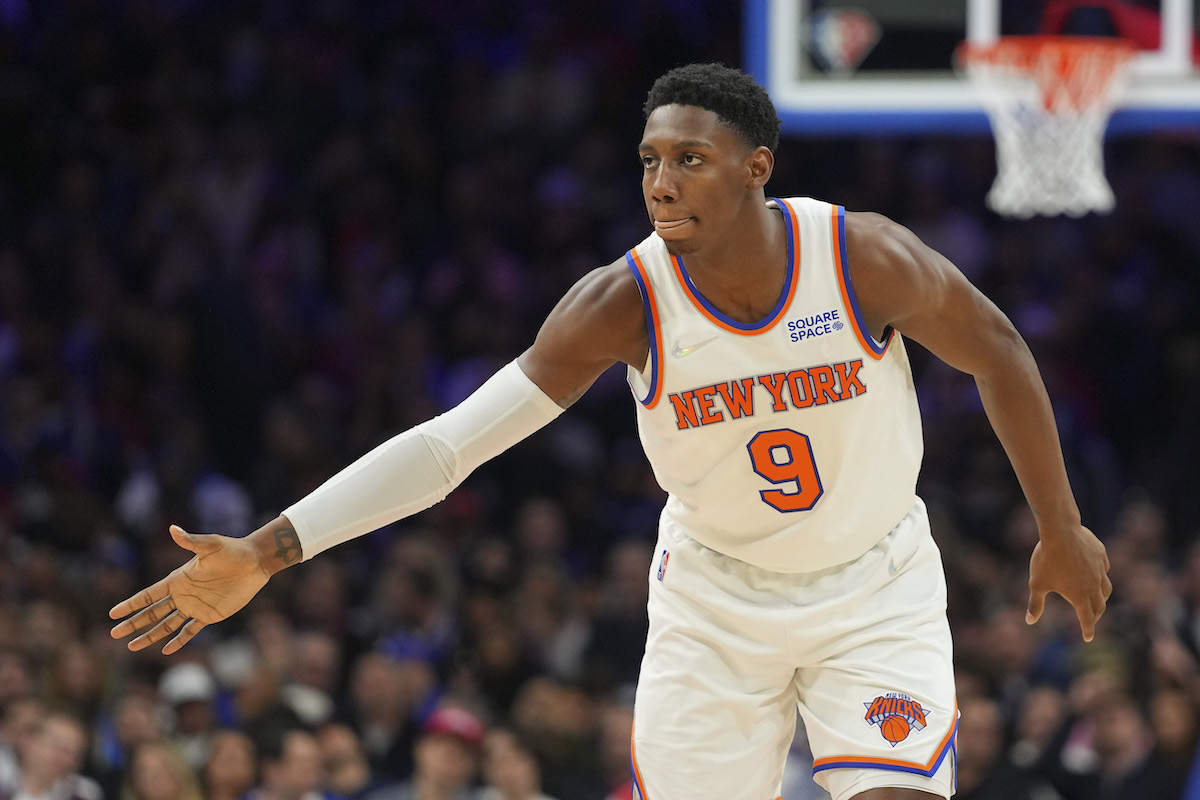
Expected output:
(887, 66)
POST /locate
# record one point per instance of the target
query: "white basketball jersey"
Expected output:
(792, 443)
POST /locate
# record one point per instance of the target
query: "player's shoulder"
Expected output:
(600, 320)
(875, 241)
(608, 284)
(891, 269)
(605, 302)
(872, 224)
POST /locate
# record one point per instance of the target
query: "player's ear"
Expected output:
(759, 165)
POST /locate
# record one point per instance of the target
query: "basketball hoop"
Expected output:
(1049, 99)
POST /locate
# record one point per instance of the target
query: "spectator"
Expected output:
(562, 721)
(384, 700)
(348, 773)
(984, 769)
(289, 763)
(232, 767)
(554, 624)
(413, 606)
(190, 691)
(18, 724)
(510, 768)
(1175, 725)
(16, 675)
(76, 679)
(614, 653)
(496, 665)
(1041, 715)
(135, 719)
(315, 669)
(158, 771)
(445, 759)
(616, 737)
(1106, 751)
(49, 762)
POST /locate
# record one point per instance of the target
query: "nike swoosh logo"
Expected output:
(681, 351)
(895, 566)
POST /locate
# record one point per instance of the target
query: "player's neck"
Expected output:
(743, 275)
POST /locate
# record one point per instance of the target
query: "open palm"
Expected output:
(221, 577)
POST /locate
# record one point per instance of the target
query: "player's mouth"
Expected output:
(670, 224)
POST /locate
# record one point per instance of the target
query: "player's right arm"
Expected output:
(598, 323)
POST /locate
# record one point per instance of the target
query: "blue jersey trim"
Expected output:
(844, 266)
(653, 334)
(785, 296)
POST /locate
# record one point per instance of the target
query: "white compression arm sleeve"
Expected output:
(418, 468)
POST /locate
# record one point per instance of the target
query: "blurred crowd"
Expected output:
(243, 241)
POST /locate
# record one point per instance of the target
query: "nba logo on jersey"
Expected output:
(662, 564)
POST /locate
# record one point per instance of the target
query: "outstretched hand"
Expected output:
(221, 577)
(1073, 564)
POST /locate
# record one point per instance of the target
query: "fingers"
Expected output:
(150, 615)
(151, 594)
(145, 598)
(1096, 611)
(1088, 617)
(186, 633)
(153, 609)
(1037, 604)
(182, 629)
(172, 622)
(201, 544)
(164, 620)
(1087, 626)
(1090, 611)
(182, 538)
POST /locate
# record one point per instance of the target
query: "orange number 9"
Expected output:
(785, 457)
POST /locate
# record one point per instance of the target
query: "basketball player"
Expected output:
(764, 340)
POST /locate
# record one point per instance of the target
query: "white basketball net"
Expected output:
(1049, 100)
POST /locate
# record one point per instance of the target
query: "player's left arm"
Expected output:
(902, 283)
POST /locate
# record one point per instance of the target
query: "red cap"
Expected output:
(456, 722)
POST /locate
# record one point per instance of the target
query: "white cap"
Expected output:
(186, 683)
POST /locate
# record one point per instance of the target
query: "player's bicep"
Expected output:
(904, 284)
(959, 324)
(598, 323)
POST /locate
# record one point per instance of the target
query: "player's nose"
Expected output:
(662, 185)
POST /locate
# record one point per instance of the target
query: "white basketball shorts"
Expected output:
(862, 650)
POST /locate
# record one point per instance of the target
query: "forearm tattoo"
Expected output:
(287, 545)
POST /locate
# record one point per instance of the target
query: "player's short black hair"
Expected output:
(736, 98)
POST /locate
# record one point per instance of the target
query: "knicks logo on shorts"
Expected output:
(897, 715)
(662, 564)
